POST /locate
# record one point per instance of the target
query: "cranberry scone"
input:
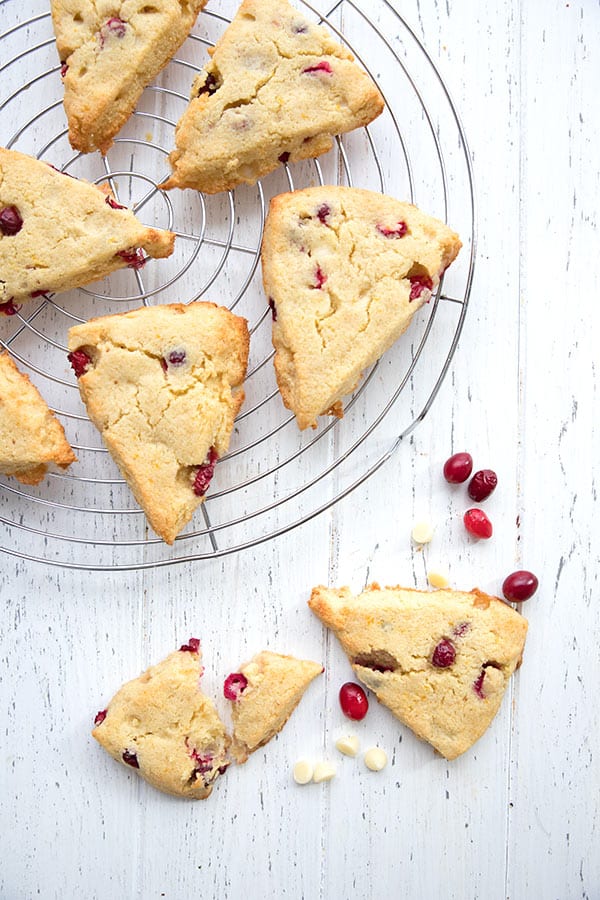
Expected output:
(163, 386)
(162, 725)
(31, 437)
(264, 694)
(276, 90)
(440, 661)
(110, 51)
(344, 270)
(59, 232)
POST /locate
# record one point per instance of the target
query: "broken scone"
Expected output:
(439, 661)
(58, 232)
(276, 90)
(162, 725)
(109, 52)
(31, 437)
(163, 386)
(264, 694)
(344, 270)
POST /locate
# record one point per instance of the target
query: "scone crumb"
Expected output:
(437, 579)
(323, 771)
(303, 771)
(422, 532)
(376, 759)
(348, 745)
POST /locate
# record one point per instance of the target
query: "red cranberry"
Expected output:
(461, 629)
(176, 357)
(322, 66)
(399, 231)
(323, 213)
(209, 87)
(418, 284)
(444, 654)
(35, 294)
(113, 203)
(80, 362)
(205, 473)
(320, 278)
(458, 468)
(478, 685)
(477, 523)
(235, 684)
(100, 717)
(134, 258)
(131, 759)
(283, 158)
(482, 484)
(63, 69)
(519, 586)
(9, 308)
(273, 309)
(192, 646)
(10, 220)
(116, 26)
(353, 701)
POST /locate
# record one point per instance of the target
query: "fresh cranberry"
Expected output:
(444, 654)
(273, 309)
(323, 212)
(131, 759)
(353, 701)
(482, 484)
(283, 158)
(418, 284)
(9, 308)
(320, 278)
(35, 294)
(477, 523)
(192, 646)
(203, 763)
(10, 220)
(458, 468)
(100, 717)
(322, 66)
(80, 362)
(113, 203)
(300, 29)
(63, 69)
(235, 684)
(205, 473)
(478, 684)
(398, 232)
(210, 86)
(134, 257)
(222, 769)
(461, 629)
(519, 586)
(176, 357)
(116, 26)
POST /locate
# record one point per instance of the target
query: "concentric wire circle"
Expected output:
(274, 477)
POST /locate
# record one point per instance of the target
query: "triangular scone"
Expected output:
(276, 90)
(110, 51)
(162, 725)
(163, 386)
(31, 437)
(439, 660)
(58, 232)
(264, 694)
(345, 270)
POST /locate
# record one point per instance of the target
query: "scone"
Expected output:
(110, 51)
(264, 694)
(276, 90)
(344, 271)
(31, 437)
(163, 386)
(58, 232)
(162, 725)
(439, 660)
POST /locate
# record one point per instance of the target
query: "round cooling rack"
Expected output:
(274, 476)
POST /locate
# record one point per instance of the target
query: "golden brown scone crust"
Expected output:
(31, 437)
(160, 419)
(111, 50)
(390, 635)
(277, 88)
(340, 278)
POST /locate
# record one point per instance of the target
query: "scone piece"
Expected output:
(264, 694)
(345, 270)
(58, 232)
(163, 386)
(31, 437)
(164, 726)
(440, 661)
(110, 51)
(276, 90)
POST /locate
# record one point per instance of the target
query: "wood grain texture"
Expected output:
(516, 817)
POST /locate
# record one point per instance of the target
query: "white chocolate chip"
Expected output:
(375, 759)
(422, 532)
(348, 745)
(303, 771)
(437, 579)
(324, 771)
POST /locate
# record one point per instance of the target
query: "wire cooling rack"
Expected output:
(274, 477)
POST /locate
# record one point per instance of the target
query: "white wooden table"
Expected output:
(518, 815)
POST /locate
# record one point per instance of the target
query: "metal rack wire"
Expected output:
(274, 478)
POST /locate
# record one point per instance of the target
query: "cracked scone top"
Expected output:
(162, 725)
(344, 270)
(264, 694)
(58, 232)
(440, 661)
(163, 386)
(110, 50)
(276, 90)
(31, 437)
